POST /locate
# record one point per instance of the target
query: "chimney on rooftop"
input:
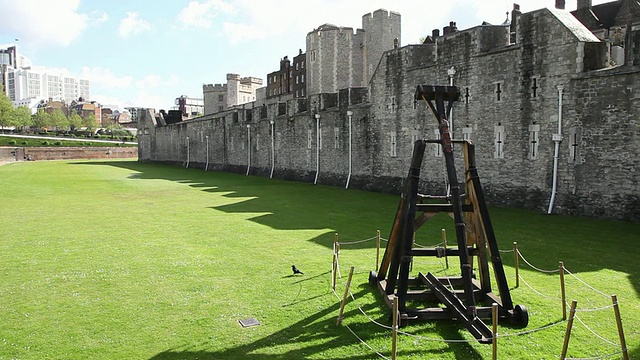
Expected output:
(560, 4)
(450, 29)
(515, 14)
(435, 33)
(584, 4)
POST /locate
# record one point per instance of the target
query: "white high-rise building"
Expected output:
(21, 81)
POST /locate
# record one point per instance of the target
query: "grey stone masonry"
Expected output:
(516, 94)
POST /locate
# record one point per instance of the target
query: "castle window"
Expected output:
(575, 138)
(302, 78)
(309, 138)
(393, 151)
(393, 104)
(498, 141)
(297, 64)
(297, 79)
(534, 88)
(220, 97)
(437, 148)
(534, 141)
(466, 95)
(498, 91)
(220, 108)
(302, 64)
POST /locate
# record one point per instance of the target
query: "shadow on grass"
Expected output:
(316, 334)
(584, 244)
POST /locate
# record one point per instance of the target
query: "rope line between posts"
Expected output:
(535, 268)
(536, 291)
(434, 339)
(532, 330)
(595, 309)
(383, 239)
(365, 344)
(597, 357)
(357, 241)
(427, 246)
(506, 251)
(595, 334)
(587, 285)
(362, 311)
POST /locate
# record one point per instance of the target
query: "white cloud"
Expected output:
(155, 81)
(132, 25)
(105, 78)
(40, 22)
(99, 17)
(201, 14)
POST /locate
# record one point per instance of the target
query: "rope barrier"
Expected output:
(538, 292)
(357, 241)
(427, 246)
(595, 334)
(587, 285)
(595, 309)
(535, 268)
(387, 327)
(597, 357)
(532, 330)
(365, 344)
(434, 339)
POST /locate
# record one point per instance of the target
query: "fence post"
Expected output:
(623, 343)
(377, 249)
(494, 319)
(563, 294)
(444, 245)
(344, 298)
(394, 334)
(516, 256)
(334, 265)
(567, 334)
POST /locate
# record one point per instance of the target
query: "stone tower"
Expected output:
(382, 33)
(339, 57)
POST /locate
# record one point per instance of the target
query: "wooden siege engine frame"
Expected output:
(474, 235)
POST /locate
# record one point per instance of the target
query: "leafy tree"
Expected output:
(75, 121)
(58, 120)
(42, 119)
(22, 117)
(6, 110)
(90, 122)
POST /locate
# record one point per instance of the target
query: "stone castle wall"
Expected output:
(509, 107)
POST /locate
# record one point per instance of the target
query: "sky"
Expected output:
(146, 53)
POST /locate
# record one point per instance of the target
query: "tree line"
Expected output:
(21, 118)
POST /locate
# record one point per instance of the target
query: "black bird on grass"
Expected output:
(295, 270)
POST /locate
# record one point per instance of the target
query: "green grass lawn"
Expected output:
(128, 260)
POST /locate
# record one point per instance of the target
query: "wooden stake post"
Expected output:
(394, 335)
(516, 256)
(378, 249)
(563, 295)
(494, 319)
(344, 298)
(567, 334)
(623, 343)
